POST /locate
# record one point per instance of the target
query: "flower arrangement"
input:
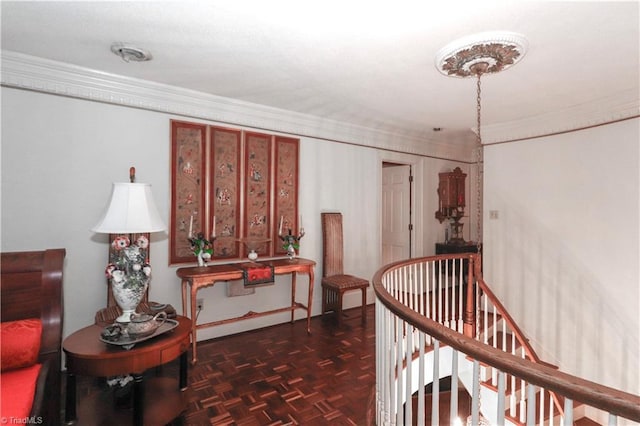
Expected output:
(291, 243)
(290, 240)
(129, 262)
(202, 248)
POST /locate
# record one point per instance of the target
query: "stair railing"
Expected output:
(430, 323)
(499, 330)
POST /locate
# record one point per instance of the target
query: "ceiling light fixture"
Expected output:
(130, 53)
(473, 56)
(483, 53)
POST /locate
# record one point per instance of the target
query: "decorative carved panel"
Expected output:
(232, 183)
(286, 189)
(188, 165)
(257, 174)
(225, 191)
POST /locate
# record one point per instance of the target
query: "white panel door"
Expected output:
(396, 213)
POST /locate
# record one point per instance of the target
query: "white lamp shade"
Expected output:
(131, 209)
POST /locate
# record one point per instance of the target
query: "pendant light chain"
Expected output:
(481, 420)
(474, 56)
(479, 164)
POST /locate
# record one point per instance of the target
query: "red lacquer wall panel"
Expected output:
(225, 192)
(257, 172)
(188, 162)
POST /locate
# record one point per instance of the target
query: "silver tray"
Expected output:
(128, 342)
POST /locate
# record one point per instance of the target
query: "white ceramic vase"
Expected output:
(291, 252)
(253, 255)
(128, 297)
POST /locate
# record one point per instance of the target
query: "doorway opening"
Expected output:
(397, 220)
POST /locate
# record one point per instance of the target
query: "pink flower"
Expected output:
(109, 270)
(142, 241)
(120, 242)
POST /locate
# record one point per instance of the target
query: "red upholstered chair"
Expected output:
(334, 281)
(31, 305)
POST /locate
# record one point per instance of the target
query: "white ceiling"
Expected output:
(368, 63)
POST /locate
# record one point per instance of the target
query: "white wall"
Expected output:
(563, 255)
(60, 156)
(565, 246)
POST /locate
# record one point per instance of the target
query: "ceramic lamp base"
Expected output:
(128, 297)
(126, 315)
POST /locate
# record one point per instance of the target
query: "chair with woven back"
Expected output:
(334, 281)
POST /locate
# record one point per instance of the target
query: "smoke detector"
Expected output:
(130, 53)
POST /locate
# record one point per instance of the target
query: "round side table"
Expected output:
(87, 355)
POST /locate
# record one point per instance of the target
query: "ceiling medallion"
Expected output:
(483, 53)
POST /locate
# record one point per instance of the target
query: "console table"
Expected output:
(456, 248)
(204, 276)
(449, 248)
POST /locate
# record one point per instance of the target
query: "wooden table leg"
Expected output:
(184, 297)
(194, 327)
(364, 305)
(70, 399)
(184, 369)
(138, 400)
(310, 297)
(293, 295)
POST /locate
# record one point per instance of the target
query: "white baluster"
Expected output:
(502, 378)
(475, 394)
(399, 412)
(568, 411)
(531, 405)
(421, 380)
(435, 393)
(453, 407)
(408, 406)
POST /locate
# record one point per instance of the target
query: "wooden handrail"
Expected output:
(594, 394)
(513, 326)
(504, 313)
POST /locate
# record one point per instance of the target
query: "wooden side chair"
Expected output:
(334, 281)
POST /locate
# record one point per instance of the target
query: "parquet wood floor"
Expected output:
(277, 375)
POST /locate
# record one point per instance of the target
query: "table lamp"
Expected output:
(131, 210)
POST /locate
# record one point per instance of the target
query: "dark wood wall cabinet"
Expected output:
(451, 201)
(231, 184)
(451, 194)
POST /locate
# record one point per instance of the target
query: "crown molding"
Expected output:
(57, 78)
(610, 109)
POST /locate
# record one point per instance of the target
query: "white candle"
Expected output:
(191, 227)
(280, 228)
(214, 227)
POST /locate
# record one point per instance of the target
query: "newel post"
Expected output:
(469, 310)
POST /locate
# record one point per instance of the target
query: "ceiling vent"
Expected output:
(130, 53)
